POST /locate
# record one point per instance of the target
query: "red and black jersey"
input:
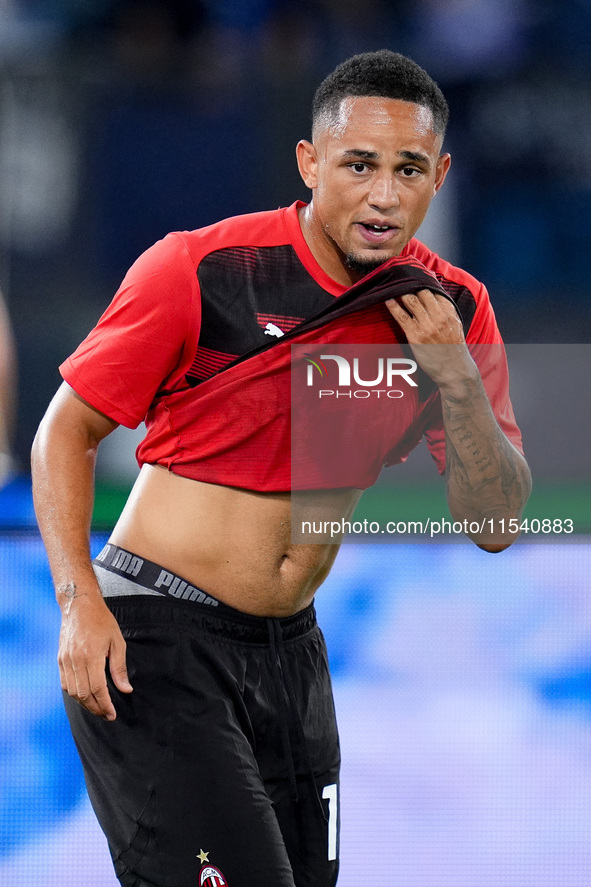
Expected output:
(197, 343)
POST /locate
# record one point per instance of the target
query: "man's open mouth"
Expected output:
(373, 233)
(377, 228)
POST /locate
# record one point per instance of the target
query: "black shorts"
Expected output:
(222, 766)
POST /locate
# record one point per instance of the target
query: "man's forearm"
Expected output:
(488, 480)
(63, 496)
(62, 462)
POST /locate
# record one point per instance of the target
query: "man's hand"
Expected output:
(89, 636)
(427, 319)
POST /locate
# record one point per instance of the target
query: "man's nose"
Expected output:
(384, 193)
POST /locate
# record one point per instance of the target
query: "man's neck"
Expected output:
(330, 259)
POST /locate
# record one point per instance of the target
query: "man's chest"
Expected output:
(250, 296)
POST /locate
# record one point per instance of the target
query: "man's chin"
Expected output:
(362, 265)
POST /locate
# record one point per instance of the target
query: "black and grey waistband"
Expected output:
(131, 574)
(126, 579)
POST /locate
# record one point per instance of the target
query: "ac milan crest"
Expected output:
(209, 876)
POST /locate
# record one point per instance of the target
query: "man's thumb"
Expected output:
(118, 671)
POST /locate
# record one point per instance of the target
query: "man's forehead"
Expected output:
(366, 112)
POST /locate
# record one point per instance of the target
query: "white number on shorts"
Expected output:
(331, 792)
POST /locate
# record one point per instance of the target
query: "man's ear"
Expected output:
(307, 163)
(441, 170)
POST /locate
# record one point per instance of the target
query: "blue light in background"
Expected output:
(462, 689)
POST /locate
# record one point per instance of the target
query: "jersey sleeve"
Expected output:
(488, 351)
(146, 339)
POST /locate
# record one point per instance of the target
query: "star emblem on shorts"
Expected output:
(203, 855)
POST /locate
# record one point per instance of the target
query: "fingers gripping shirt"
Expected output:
(197, 341)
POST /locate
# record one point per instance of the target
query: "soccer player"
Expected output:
(195, 676)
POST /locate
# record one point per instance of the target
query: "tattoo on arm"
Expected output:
(69, 590)
(476, 460)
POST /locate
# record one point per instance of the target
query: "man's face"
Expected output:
(373, 171)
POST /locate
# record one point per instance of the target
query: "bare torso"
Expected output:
(234, 544)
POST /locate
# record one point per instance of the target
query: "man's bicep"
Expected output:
(72, 414)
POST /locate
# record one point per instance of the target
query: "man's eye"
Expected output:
(359, 167)
(410, 171)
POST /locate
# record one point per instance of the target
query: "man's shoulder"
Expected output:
(261, 229)
(446, 272)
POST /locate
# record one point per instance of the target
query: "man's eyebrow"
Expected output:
(365, 155)
(414, 156)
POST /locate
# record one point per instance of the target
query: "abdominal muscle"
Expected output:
(234, 544)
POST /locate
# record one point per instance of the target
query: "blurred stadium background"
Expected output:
(463, 681)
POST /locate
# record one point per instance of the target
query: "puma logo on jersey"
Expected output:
(272, 330)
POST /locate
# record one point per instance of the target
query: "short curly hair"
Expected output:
(384, 74)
